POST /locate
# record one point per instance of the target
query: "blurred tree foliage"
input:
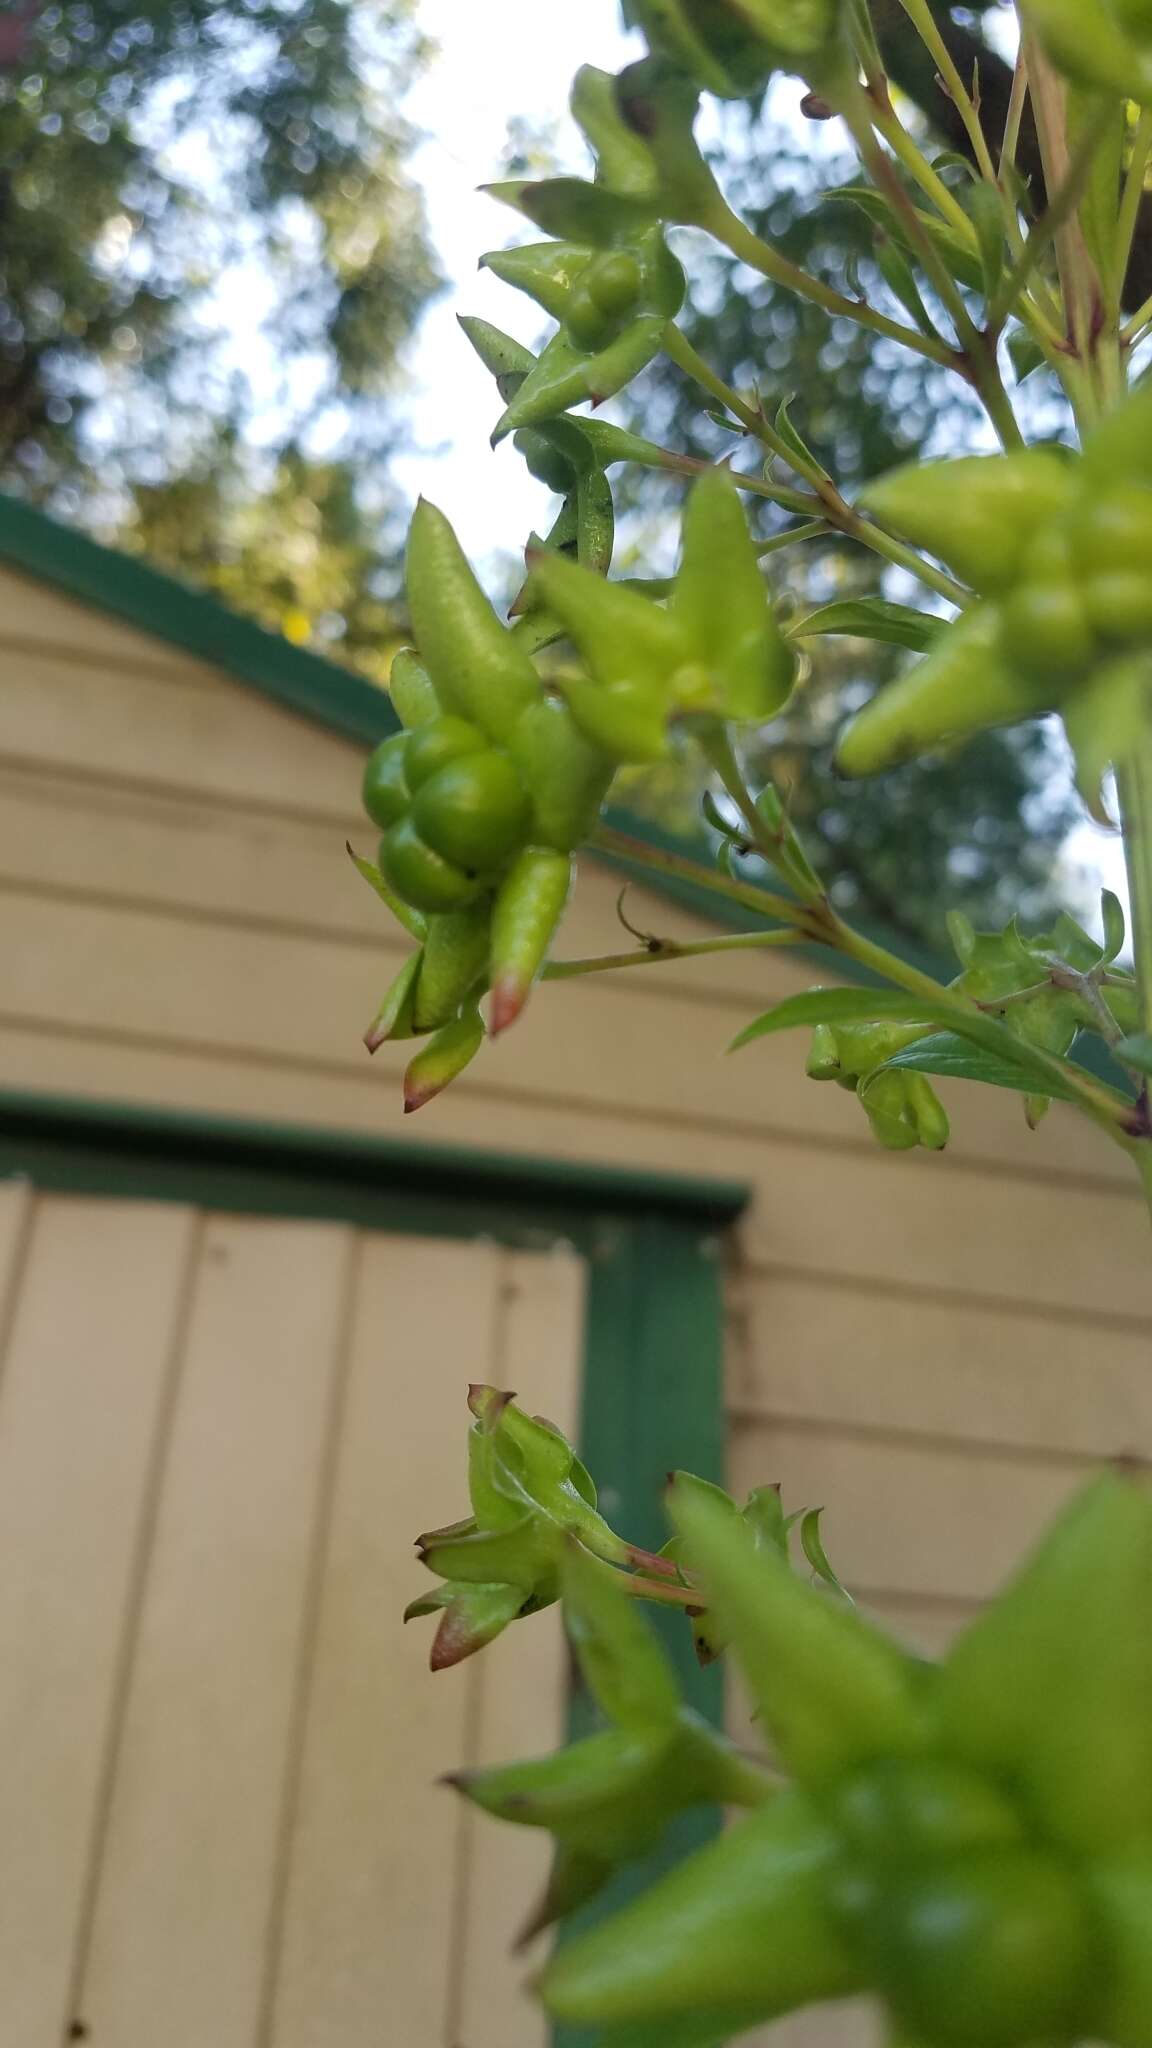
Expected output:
(166, 166)
(982, 829)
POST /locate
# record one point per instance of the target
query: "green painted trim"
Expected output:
(653, 1400)
(170, 610)
(157, 1147)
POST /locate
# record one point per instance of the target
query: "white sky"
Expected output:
(495, 61)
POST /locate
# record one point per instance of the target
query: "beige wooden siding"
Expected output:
(935, 1349)
(219, 1816)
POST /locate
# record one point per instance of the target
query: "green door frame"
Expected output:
(652, 1395)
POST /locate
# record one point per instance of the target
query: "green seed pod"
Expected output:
(824, 1057)
(546, 271)
(977, 512)
(477, 667)
(395, 1018)
(613, 282)
(587, 322)
(1118, 606)
(890, 1113)
(622, 161)
(989, 1950)
(566, 776)
(384, 790)
(1047, 632)
(445, 1056)
(474, 810)
(431, 749)
(543, 461)
(529, 905)
(737, 1934)
(1121, 1894)
(625, 722)
(566, 374)
(1065, 1632)
(1112, 531)
(832, 1692)
(914, 1809)
(413, 697)
(927, 1112)
(455, 956)
(962, 686)
(422, 877)
(721, 602)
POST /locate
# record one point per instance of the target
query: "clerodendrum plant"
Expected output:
(971, 1841)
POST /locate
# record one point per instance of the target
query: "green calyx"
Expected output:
(959, 1841)
(715, 651)
(1060, 551)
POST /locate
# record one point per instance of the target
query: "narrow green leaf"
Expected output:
(727, 827)
(982, 204)
(871, 618)
(1112, 913)
(858, 1005)
(900, 279)
(791, 438)
(953, 1058)
(1024, 353)
(816, 1554)
(1136, 1051)
(413, 922)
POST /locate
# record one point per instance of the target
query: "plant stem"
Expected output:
(1134, 781)
(1051, 222)
(762, 902)
(920, 15)
(736, 235)
(656, 950)
(829, 502)
(1133, 194)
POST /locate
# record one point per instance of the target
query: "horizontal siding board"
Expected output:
(34, 616)
(255, 994)
(905, 1519)
(208, 736)
(1078, 1256)
(842, 1355)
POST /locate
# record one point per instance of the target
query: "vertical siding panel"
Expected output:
(519, 1681)
(186, 1883)
(373, 1880)
(79, 1410)
(15, 1222)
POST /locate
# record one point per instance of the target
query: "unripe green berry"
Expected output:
(385, 789)
(613, 282)
(474, 811)
(420, 875)
(433, 746)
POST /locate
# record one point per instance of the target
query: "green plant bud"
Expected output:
(626, 722)
(1118, 605)
(530, 903)
(1086, 42)
(1119, 450)
(712, 44)
(587, 323)
(412, 921)
(474, 811)
(519, 1461)
(527, 1552)
(659, 103)
(989, 1950)
(421, 876)
(1121, 1894)
(890, 1112)
(566, 374)
(904, 1810)
(962, 686)
(613, 283)
(1103, 718)
(928, 1113)
(567, 778)
(433, 746)
(589, 216)
(622, 636)
(455, 956)
(1068, 1630)
(471, 1617)
(1112, 531)
(508, 360)
(1047, 632)
(978, 513)
(833, 1692)
(478, 670)
(410, 686)
(824, 1057)
(738, 1933)
(547, 271)
(395, 1017)
(384, 790)
(543, 461)
(721, 603)
(622, 161)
